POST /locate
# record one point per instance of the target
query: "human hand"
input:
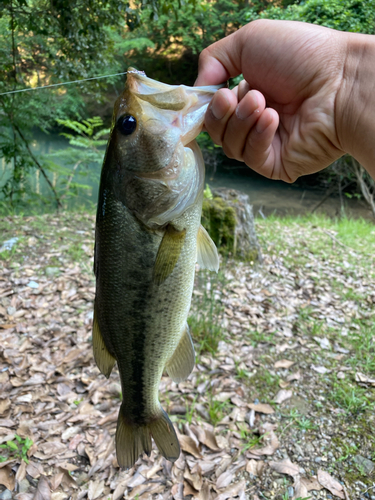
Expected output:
(288, 117)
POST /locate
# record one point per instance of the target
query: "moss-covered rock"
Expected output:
(219, 219)
(228, 218)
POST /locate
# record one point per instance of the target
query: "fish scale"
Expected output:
(145, 255)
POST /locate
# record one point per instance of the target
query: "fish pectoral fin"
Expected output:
(104, 360)
(207, 256)
(182, 361)
(168, 253)
(132, 440)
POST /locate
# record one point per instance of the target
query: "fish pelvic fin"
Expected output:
(134, 440)
(168, 253)
(103, 359)
(182, 361)
(207, 256)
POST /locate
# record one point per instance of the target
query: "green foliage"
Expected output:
(180, 31)
(77, 161)
(343, 15)
(44, 43)
(17, 448)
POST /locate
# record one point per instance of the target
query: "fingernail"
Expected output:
(219, 106)
(247, 106)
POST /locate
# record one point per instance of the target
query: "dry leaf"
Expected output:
(262, 408)
(320, 369)
(232, 491)
(206, 437)
(7, 477)
(294, 376)
(43, 491)
(21, 472)
(194, 479)
(283, 363)
(311, 484)
(282, 396)
(95, 489)
(205, 492)
(189, 490)
(255, 467)
(224, 479)
(323, 342)
(4, 405)
(360, 377)
(300, 490)
(270, 438)
(285, 467)
(187, 444)
(330, 484)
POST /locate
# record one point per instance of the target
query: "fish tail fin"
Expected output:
(134, 440)
(165, 436)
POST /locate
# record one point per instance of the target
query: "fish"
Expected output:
(148, 238)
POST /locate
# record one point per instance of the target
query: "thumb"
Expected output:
(220, 61)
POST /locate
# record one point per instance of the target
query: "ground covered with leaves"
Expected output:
(281, 402)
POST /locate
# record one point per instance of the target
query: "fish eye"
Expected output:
(126, 124)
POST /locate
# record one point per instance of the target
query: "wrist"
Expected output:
(355, 104)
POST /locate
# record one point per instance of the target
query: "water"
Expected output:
(266, 196)
(279, 198)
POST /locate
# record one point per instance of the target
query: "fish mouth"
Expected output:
(180, 106)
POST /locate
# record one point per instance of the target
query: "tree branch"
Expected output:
(58, 202)
(360, 173)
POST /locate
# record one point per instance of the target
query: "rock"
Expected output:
(6, 495)
(228, 218)
(367, 465)
(51, 271)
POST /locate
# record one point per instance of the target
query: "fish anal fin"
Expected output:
(133, 440)
(207, 256)
(168, 253)
(104, 360)
(182, 361)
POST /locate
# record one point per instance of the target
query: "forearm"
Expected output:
(355, 105)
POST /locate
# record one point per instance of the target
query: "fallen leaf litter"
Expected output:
(256, 391)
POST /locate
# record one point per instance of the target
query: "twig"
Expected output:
(347, 497)
(338, 241)
(366, 191)
(327, 195)
(58, 202)
(71, 178)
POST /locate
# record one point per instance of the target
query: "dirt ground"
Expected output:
(280, 404)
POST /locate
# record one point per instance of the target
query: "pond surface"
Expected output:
(279, 198)
(266, 196)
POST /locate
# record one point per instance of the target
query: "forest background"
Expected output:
(43, 42)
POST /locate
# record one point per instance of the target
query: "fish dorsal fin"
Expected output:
(104, 360)
(207, 256)
(168, 253)
(182, 361)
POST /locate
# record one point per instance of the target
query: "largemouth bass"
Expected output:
(148, 238)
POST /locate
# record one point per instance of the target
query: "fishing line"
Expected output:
(64, 83)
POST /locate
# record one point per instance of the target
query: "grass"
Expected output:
(217, 410)
(205, 322)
